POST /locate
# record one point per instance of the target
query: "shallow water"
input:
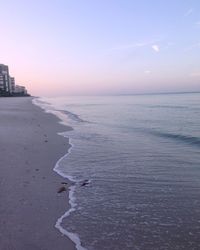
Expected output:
(141, 154)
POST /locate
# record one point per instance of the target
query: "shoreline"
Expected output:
(71, 189)
(30, 204)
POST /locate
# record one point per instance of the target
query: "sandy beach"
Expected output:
(30, 204)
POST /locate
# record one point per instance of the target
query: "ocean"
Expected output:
(135, 164)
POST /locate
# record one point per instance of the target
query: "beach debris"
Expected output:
(64, 183)
(61, 189)
(46, 141)
(85, 183)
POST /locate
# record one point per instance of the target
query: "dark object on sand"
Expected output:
(64, 183)
(61, 189)
(85, 183)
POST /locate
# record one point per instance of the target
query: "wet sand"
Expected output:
(30, 204)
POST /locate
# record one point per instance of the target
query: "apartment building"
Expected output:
(4, 79)
(7, 84)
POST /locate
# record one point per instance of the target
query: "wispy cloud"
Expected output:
(130, 46)
(147, 72)
(195, 74)
(152, 44)
(188, 12)
(193, 46)
(168, 45)
(155, 47)
(197, 23)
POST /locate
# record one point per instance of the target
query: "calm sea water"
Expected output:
(142, 156)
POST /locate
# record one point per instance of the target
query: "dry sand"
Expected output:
(29, 202)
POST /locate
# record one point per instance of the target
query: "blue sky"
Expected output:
(102, 47)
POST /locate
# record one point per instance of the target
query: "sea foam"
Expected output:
(74, 237)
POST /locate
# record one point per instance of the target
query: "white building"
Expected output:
(20, 90)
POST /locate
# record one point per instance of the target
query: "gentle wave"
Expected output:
(168, 106)
(179, 137)
(49, 108)
(72, 116)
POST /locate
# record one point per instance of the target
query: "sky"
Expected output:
(80, 47)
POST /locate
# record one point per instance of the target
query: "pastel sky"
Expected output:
(61, 47)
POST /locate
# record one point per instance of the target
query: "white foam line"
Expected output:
(73, 237)
(72, 200)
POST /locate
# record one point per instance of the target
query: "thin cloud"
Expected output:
(193, 46)
(155, 47)
(135, 45)
(129, 46)
(195, 74)
(197, 23)
(147, 72)
(188, 12)
(168, 45)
